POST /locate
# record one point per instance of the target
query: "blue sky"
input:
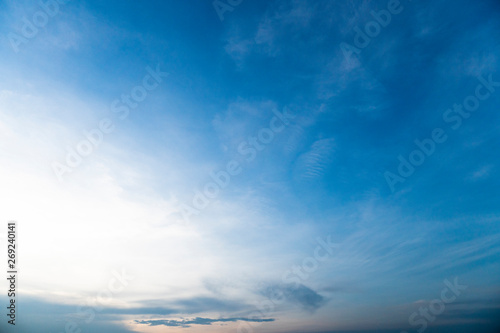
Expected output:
(115, 118)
